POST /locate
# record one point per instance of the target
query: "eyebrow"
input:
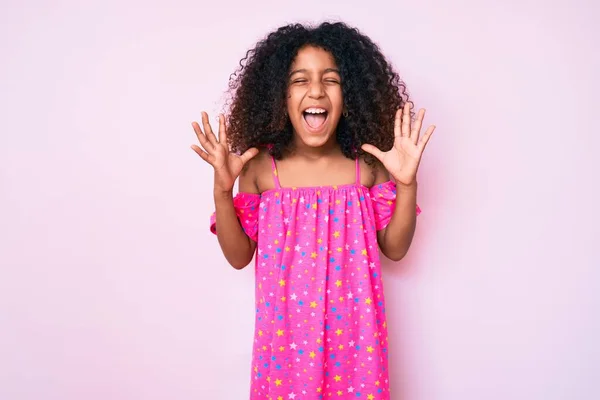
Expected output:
(337, 71)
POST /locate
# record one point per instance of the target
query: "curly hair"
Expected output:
(371, 89)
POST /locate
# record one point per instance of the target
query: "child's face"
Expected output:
(315, 100)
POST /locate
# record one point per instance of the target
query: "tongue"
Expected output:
(315, 120)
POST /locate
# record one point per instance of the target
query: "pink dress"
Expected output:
(320, 329)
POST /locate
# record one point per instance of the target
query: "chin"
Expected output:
(313, 139)
(315, 142)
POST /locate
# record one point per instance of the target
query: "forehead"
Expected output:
(313, 58)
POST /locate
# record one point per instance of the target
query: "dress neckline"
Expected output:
(315, 188)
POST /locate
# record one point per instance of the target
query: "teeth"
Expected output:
(315, 110)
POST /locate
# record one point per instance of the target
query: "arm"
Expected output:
(401, 162)
(237, 247)
(395, 239)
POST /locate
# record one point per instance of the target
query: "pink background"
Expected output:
(112, 287)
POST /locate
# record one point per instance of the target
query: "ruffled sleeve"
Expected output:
(246, 208)
(384, 199)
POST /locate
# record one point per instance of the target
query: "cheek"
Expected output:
(336, 96)
(293, 101)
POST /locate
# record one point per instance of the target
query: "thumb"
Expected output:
(249, 154)
(369, 148)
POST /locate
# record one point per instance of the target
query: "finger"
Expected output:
(249, 154)
(406, 120)
(208, 130)
(222, 130)
(206, 144)
(397, 124)
(204, 155)
(416, 128)
(425, 138)
(369, 148)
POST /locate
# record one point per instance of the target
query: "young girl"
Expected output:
(320, 134)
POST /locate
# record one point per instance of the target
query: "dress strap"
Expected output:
(275, 175)
(358, 171)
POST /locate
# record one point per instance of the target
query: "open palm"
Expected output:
(215, 151)
(402, 160)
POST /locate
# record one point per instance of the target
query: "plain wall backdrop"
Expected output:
(112, 286)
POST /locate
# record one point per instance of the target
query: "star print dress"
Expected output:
(320, 327)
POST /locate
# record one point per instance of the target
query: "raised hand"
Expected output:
(402, 160)
(215, 151)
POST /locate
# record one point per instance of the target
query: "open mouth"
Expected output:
(315, 117)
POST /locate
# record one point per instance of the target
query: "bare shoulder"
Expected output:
(256, 172)
(374, 173)
(247, 180)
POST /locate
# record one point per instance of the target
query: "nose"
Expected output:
(315, 90)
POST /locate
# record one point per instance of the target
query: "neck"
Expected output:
(330, 148)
